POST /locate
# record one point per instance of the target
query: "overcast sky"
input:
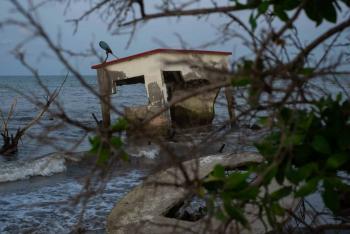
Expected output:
(195, 32)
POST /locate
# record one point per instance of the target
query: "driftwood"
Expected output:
(10, 141)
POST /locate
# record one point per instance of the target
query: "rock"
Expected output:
(144, 209)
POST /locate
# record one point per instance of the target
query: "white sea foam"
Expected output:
(150, 152)
(46, 208)
(45, 166)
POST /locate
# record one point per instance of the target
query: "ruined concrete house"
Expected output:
(168, 74)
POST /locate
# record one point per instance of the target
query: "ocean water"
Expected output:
(35, 191)
(45, 204)
(78, 103)
(41, 204)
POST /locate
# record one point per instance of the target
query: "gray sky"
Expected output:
(195, 32)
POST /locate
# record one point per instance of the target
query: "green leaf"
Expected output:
(337, 160)
(328, 11)
(277, 209)
(263, 121)
(124, 156)
(286, 115)
(344, 138)
(240, 82)
(339, 97)
(293, 139)
(252, 21)
(330, 197)
(221, 216)
(247, 193)
(103, 156)
(116, 142)
(269, 145)
(305, 121)
(95, 143)
(321, 145)
(307, 71)
(280, 193)
(235, 180)
(303, 173)
(337, 182)
(281, 171)
(263, 7)
(270, 215)
(281, 14)
(120, 125)
(347, 2)
(290, 4)
(308, 188)
(269, 175)
(212, 183)
(312, 11)
(219, 171)
(236, 214)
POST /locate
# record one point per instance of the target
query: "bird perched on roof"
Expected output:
(106, 48)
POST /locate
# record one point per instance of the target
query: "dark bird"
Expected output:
(106, 48)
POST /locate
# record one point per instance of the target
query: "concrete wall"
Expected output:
(151, 67)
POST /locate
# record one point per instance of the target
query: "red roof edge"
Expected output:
(97, 66)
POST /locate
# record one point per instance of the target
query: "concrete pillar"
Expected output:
(156, 92)
(155, 88)
(230, 104)
(104, 84)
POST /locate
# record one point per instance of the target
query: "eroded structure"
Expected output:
(145, 209)
(170, 77)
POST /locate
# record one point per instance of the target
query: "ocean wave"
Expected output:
(149, 152)
(44, 166)
(56, 163)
